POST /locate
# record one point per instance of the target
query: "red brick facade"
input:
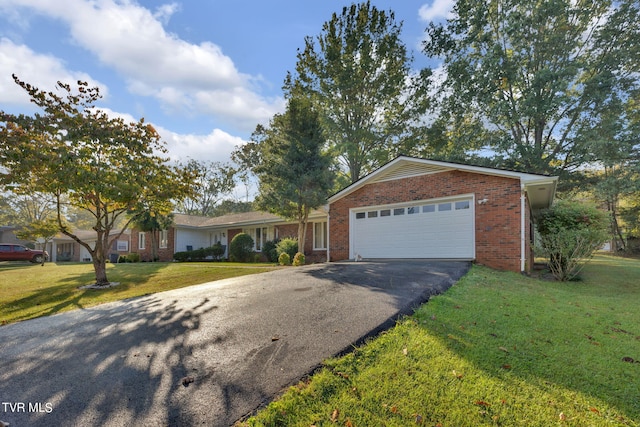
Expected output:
(497, 221)
(146, 254)
(311, 255)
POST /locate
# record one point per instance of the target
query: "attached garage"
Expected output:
(437, 228)
(419, 208)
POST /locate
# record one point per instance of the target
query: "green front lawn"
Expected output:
(28, 291)
(497, 349)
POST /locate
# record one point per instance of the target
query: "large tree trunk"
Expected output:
(302, 228)
(100, 260)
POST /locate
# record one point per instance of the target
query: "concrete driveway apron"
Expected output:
(207, 354)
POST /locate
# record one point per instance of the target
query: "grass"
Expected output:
(497, 349)
(28, 291)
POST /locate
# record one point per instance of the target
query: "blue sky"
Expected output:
(204, 73)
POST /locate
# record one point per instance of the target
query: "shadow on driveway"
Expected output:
(207, 354)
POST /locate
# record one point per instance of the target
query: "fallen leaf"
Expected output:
(628, 359)
(348, 423)
(506, 366)
(594, 410)
(275, 338)
(187, 380)
(394, 409)
(562, 416)
(334, 415)
(405, 351)
(504, 349)
(418, 418)
(481, 403)
(457, 375)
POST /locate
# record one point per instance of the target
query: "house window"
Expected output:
(320, 235)
(122, 246)
(360, 215)
(163, 242)
(398, 211)
(444, 207)
(372, 214)
(385, 212)
(260, 237)
(142, 240)
(413, 210)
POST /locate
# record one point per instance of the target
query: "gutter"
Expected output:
(523, 246)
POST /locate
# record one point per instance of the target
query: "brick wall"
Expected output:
(291, 230)
(146, 254)
(497, 221)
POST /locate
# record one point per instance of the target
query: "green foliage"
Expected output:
(496, 349)
(534, 77)
(289, 161)
(570, 233)
(241, 248)
(359, 75)
(213, 181)
(215, 252)
(289, 246)
(83, 158)
(284, 259)
(299, 259)
(269, 249)
(132, 257)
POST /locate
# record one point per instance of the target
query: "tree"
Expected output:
(213, 181)
(152, 222)
(77, 154)
(535, 74)
(569, 234)
(358, 74)
(293, 170)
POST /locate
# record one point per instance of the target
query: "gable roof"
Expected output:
(541, 188)
(233, 220)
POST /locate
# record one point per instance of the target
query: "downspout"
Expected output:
(523, 204)
(327, 209)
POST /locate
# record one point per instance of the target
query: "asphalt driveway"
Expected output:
(206, 354)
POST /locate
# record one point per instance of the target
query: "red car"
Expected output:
(13, 252)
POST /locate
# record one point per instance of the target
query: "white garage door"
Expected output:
(427, 229)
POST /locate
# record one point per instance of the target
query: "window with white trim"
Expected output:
(122, 246)
(320, 235)
(142, 240)
(259, 235)
(163, 241)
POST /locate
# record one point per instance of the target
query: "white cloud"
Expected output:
(35, 68)
(187, 77)
(216, 146)
(436, 10)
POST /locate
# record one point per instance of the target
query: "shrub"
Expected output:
(299, 259)
(570, 233)
(284, 259)
(241, 248)
(133, 257)
(288, 245)
(270, 251)
(121, 259)
(217, 251)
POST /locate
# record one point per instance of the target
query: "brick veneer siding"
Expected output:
(291, 230)
(146, 254)
(497, 222)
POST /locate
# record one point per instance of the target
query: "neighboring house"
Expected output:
(63, 248)
(8, 235)
(408, 208)
(194, 232)
(417, 208)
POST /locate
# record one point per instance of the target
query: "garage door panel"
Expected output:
(432, 232)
